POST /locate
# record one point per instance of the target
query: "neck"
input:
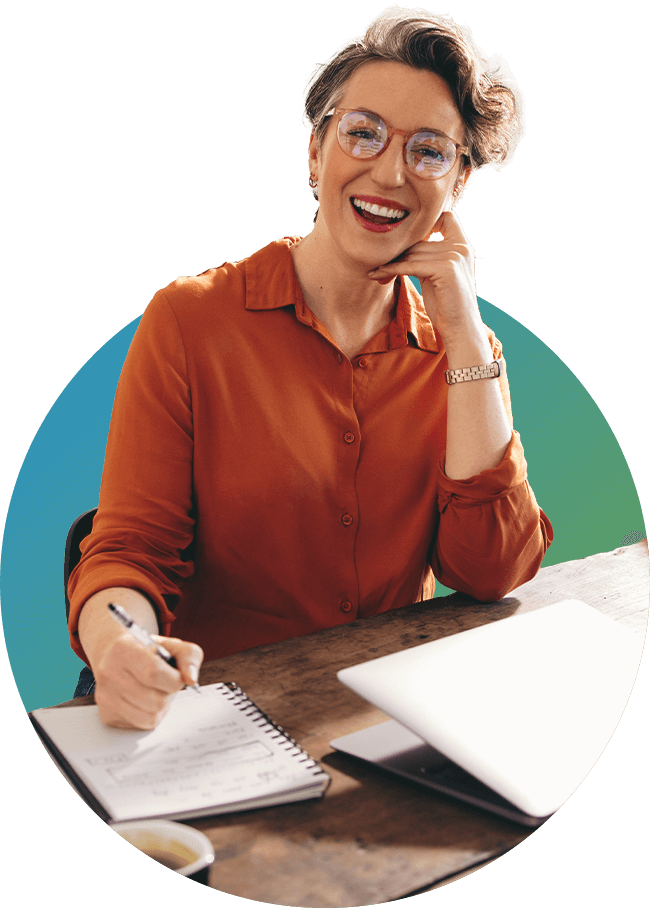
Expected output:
(339, 292)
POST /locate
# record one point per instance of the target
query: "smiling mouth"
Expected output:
(377, 214)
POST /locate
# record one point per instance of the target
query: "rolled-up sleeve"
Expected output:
(492, 534)
(145, 523)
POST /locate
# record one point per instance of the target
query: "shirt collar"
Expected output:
(270, 274)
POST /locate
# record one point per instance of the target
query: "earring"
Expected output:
(313, 185)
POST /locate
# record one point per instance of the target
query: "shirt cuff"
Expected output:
(489, 485)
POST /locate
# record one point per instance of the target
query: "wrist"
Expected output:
(98, 630)
(468, 350)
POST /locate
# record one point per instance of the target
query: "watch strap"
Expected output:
(473, 373)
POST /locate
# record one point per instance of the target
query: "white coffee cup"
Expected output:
(179, 847)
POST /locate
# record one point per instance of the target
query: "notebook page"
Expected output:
(206, 752)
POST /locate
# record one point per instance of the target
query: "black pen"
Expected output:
(140, 634)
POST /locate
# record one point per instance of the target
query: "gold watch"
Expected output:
(473, 373)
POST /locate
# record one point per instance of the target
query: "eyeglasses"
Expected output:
(363, 134)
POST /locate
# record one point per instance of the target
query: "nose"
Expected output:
(389, 169)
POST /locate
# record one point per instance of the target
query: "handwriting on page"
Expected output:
(187, 761)
(194, 765)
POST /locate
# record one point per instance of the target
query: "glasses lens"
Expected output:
(429, 155)
(361, 134)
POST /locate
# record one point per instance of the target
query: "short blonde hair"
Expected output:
(487, 106)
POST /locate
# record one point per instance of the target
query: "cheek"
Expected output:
(335, 173)
(338, 169)
(436, 200)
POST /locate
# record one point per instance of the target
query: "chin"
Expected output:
(379, 249)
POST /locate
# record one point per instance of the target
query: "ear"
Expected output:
(464, 176)
(313, 156)
(459, 185)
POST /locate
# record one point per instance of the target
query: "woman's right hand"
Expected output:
(134, 687)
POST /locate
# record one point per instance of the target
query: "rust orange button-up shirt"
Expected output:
(259, 485)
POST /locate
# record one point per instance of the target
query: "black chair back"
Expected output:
(77, 533)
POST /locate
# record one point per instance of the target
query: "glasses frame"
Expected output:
(391, 131)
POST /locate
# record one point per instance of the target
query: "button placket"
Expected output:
(348, 433)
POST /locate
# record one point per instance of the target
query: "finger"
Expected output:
(389, 267)
(449, 226)
(421, 268)
(123, 709)
(151, 671)
(189, 657)
(124, 701)
(128, 664)
(426, 251)
(135, 686)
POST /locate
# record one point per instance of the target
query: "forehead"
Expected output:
(405, 97)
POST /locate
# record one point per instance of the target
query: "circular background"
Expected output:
(576, 468)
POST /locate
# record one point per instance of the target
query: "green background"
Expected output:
(576, 467)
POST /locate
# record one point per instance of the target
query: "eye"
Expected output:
(362, 134)
(431, 154)
(426, 152)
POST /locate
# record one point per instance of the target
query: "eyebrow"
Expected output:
(374, 113)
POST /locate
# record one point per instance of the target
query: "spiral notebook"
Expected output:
(213, 753)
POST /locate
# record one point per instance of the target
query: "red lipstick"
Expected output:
(383, 203)
(377, 223)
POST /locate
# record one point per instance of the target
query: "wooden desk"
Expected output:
(373, 838)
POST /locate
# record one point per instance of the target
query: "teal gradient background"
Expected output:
(576, 467)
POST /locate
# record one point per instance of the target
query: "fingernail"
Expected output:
(193, 672)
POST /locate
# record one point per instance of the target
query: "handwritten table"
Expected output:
(373, 838)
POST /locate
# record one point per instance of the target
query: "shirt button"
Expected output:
(348, 437)
(339, 358)
(347, 520)
(346, 606)
(362, 363)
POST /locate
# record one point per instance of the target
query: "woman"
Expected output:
(294, 443)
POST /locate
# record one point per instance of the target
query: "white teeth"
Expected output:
(396, 213)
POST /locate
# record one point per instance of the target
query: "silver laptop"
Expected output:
(509, 716)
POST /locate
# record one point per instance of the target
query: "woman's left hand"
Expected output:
(445, 270)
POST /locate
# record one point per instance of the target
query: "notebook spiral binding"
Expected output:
(246, 705)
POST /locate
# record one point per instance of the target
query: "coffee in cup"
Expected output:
(181, 848)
